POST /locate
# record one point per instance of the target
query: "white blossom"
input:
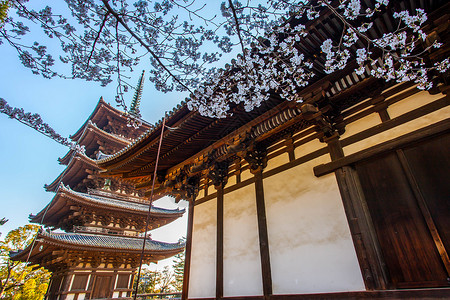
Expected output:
(443, 66)
(276, 65)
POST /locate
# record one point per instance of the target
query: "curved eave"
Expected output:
(100, 109)
(66, 158)
(191, 133)
(138, 159)
(93, 133)
(46, 242)
(89, 139)
(148, 138)
(60, 206)
(74, 172)
(100, 117)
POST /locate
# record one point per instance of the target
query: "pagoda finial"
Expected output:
(134, 107)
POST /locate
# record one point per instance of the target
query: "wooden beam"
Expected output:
(361, 228)
(393, 144)
(425, 210)
(360, 224)
(263, 236)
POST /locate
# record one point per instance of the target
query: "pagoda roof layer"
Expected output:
(194, 134)
(190, 133)
(75, 171)
(100, 117)
(49, 248)
(106, 242)
(90, 138)
(65, 198)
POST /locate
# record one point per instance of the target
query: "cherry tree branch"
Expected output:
(132, 33)
(96, 38)
(238, 29)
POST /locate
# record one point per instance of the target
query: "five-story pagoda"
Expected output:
(103, 218)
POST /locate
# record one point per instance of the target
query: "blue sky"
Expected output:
(28, 159)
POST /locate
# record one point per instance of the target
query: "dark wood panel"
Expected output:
(408, 249)
(79, 282)
(362, 230)
(122, 281)
(102, 287)
(430, 164)
(55, 283)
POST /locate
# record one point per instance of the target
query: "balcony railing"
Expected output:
(87, 229)
(158, 296)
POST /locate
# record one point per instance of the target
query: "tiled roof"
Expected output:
(157, 126)
(74, 172)
(109, 242)
(122, 204)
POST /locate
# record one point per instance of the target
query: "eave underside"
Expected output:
(70, 206)
(192, 133)
(52, 253)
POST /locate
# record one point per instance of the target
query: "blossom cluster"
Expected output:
(34, 121)
(275, 65)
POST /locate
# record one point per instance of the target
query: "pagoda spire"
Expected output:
(134, 107)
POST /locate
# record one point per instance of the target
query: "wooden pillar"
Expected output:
(219, 244)
(65, 284)
(263, 236)
(187, 258)
(360, 223)
(219, 177)
(256, 156)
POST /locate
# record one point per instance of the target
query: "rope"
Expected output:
(149, 208)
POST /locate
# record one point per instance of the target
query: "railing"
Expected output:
(87, 229)
(158, 296)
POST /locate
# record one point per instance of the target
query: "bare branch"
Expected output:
(131, 32)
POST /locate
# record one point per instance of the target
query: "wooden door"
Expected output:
(407, 193)
(102, 287)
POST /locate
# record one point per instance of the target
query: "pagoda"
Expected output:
(103, 219)
(342, 195)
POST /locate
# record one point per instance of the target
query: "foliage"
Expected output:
(156, 281)
(4, 6)
(178, 269)
(2, 222)
(180, 38)
(17, 279)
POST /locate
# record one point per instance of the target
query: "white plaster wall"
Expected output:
(202, 282)
(246, 175)
(309, 147)
(277, 161)
(201, 194)
(242, 262)
(362, 124)
(115, 295)
(211, 189)
(81, 296)
(397, 131)
(311, 250)
(412, 102)
(70, 296)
